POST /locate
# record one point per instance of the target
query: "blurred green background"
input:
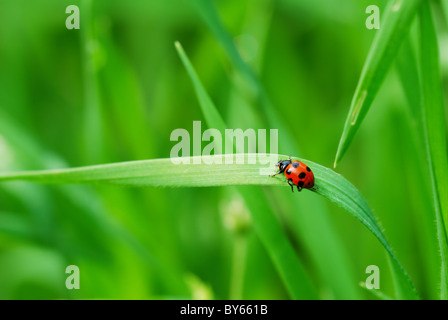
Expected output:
(115, 90)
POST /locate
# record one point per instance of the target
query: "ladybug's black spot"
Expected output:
(288, 171)
(295, 164)
(302, 175)
(300, 184)
(308, 169)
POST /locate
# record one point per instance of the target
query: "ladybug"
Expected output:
(297, 173)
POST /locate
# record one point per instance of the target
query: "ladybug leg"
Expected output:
(273, 175)
(291, 185)
(299, 188)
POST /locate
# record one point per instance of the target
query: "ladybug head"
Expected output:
(282, 165)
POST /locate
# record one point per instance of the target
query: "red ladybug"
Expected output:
(296, 172)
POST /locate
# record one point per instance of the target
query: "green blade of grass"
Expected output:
(93, 131)
(408, 70)
(434, 131)
(163, 172)
(158, 172)
(398, 17)
(211, 115)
